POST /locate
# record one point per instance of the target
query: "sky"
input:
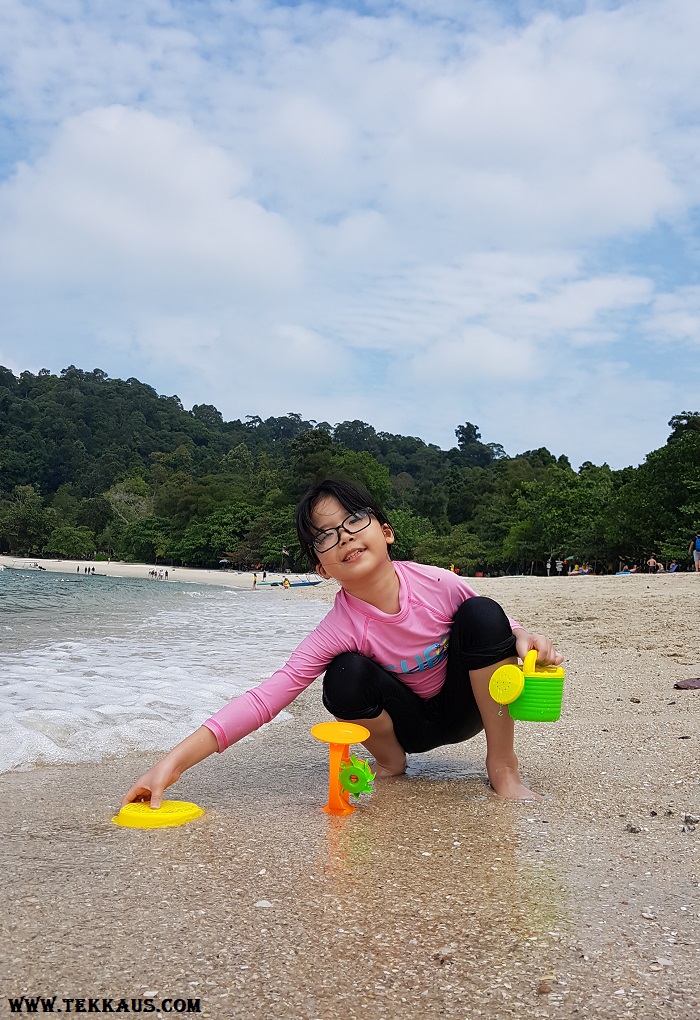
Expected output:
(417, 213)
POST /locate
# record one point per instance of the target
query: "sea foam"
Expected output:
(139, 666)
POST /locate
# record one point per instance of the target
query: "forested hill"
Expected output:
(92, 465)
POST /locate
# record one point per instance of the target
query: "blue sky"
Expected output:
(414, 213)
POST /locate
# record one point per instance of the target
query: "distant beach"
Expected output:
(117, 568)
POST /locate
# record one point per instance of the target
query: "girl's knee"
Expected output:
(482, 632)
(347, 686)
(482, 613)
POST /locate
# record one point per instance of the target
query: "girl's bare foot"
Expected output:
(506, 782)
(389, 769)
(389, 756)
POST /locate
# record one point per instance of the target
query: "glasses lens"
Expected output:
(325, 541)
(357, 521)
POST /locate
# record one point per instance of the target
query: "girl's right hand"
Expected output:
(193, 749)
(153, 783)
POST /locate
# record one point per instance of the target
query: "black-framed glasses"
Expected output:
(354, 522)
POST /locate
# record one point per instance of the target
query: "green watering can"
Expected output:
(532, 693)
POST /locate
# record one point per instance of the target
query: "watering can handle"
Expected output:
(530, 662)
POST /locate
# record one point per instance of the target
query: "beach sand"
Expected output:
(435, 898)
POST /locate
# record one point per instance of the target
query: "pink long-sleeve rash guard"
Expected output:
(412, 644)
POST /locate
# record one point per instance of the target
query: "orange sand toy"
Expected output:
(339, 736)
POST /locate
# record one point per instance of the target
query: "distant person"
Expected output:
(560, 566)
(78, 569)
(673, 567)
(441, 640)
(549, 566)
(255, 580)
(694, 548)
(652, 565)
(286, 583)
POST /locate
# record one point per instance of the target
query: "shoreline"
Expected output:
(244, 578)
(117, 568)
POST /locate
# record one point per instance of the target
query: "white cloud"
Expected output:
(344, 210)
(476, 355)
(305, 124)
(581, 304)
(676, 316)
(142, 211)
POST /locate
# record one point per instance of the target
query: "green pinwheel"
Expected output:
(356, 776)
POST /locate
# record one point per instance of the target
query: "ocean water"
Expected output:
(96, 666)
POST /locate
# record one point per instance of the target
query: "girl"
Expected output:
(408, 651)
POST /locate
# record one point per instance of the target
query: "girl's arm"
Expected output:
(193, 749)
(245, 713)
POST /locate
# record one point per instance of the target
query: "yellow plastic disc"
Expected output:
(506, 684)
(170, 813)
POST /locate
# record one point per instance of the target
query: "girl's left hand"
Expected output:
(546, 652)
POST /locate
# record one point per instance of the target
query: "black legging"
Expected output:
(355, 687)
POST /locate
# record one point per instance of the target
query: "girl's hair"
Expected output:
(352, 497)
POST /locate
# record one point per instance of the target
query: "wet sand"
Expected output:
(434, 899)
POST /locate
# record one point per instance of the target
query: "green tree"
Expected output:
(270, 534)
(567, 515)
(658, 506)
(204, 542)
(310, 461)
(145, 540)
(130, 500)
(73, 543)
(239, 462)
(24, 523)
(94, 513)
(411, 532)
(473, 452)
(460, 547)
(680, 424)
(362, 469)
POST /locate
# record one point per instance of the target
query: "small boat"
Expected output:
(292, 584)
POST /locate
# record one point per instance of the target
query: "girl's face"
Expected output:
(356, 556)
